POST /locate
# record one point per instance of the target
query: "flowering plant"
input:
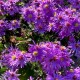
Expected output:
(40, 39)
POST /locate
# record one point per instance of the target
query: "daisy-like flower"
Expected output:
(29, 14)
(15, 58)
(73, 74)
(14, 24)
(10, 8)
(11, 75)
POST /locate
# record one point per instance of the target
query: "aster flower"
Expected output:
(14, 24)
(76, 25)
(36, 52)
(15, 58)
(11, 75)
(75, 46)
(40, 26)
(47, 8)
(66, 30)
(29, 14)
(73, 74)
(10, 8)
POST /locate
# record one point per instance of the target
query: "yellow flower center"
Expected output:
(35, 53)
(50, 24)
(71, 70)
(13, 57)
(23, 52)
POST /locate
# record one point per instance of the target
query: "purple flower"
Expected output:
(73, 74)
(14, 24)
(10, 8)
(36, 52)
(15, 58)
(66, 30)
(76, 25)
(65, 21)
(75, 46)
(3, 25)
(75, 4)
(11, 75)
(47, 8)
(29, 14)
(40, 26)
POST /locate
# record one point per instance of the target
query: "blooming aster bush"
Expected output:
(40, 39)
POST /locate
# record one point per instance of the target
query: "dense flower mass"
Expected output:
(54, 28)
(52, 56)
(48, 17)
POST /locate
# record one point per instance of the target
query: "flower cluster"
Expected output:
(46, 17)
(14, 59)
(9, 7)
(52, 56)
(25, 21)
(6, 25)
(73, 74)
